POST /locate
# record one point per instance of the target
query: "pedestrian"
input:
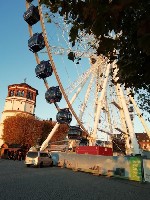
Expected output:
(15, 156)
(19, 155)
(11, 155)
(8, 154)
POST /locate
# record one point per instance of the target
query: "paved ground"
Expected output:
(20, 183)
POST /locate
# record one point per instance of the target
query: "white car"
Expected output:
(38, 158)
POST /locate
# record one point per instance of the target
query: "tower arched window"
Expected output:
(22, 93)
(28, 95)
(18, 93)
(11, 93)
(31, 96)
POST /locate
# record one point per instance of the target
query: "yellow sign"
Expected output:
(135, 169)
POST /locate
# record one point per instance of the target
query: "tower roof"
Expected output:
(25, 85)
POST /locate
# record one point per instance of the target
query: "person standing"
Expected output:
(15, 156)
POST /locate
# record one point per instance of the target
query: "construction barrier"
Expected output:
(118, 166)
(146, 168)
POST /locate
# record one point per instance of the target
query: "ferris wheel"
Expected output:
(81, 91)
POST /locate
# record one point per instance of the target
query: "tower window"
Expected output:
(18, 93)
(11, 93)
(29, 95)
(22, 93)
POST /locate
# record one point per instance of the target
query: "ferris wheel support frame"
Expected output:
(139, 115)
(96, 90)
(122, 117)
(99, 106)
(96, 99)
(108, 116)
(134, 144)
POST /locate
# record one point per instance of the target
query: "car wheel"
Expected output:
(41, 165)
(51, 165)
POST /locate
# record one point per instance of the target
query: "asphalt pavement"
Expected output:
(17, 182)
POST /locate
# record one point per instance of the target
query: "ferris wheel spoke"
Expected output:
(78, 91)
(86, 98)
(78, 82)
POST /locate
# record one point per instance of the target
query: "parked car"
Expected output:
(38, 158)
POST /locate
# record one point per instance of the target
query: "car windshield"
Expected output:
(32, 154)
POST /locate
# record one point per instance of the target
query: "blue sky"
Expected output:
(18, 63)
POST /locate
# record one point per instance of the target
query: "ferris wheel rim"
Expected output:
(54, 68)
(52, 63)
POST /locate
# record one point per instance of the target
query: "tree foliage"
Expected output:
(27, 130)
(22, 129)
(121, 29)
(61, 133)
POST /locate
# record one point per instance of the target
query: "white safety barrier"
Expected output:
(146, 166)
(120, 166)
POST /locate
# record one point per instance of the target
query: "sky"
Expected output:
(17, 62)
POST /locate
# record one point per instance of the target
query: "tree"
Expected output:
(121, 29)
(61, 133)
(47, 126)
(22, 129)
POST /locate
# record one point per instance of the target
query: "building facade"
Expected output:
(21, 98)
(144, 141)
